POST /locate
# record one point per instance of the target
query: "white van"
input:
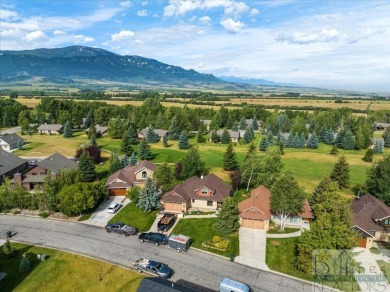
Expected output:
(228, 285)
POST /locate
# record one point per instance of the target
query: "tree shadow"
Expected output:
(194, 286)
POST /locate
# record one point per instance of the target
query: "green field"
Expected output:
(63, 272)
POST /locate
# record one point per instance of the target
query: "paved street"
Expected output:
(196, 267)
(11, 131)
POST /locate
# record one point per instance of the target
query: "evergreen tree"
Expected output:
(214, 137)
(321, 187)
(235, 179)
(225, 137)
(124, 161)
(334, 150)
(192, 164)
(348, 141)
(89, 119)
(67, 130)
(290, 141)
(229, 159)
(323, 133)
(250, 152)
(340, 173)
(199, 136)
(115, 163)
(92, 132)
(227, 221)
(24, 266)
(133, 159)
(340, 138)
(174, 129)
(369, 155)
(279, 137)
(8, 249)
(151, 135)
(242, 124)
(378, 147)
(255, 123)
(302, 141)
(133, 135)
(387, 139)
(149, 197)
(263, 145)
(296, 141)
(165, 140)
(248, 135)
(378, 179)
(329, 139)
(281, 148)
(144, 152)
(270, 138)
(126, 147)
(235, 127)
(312, 143)
(183, 140)
(86, 168)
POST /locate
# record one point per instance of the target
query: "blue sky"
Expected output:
(331, 44)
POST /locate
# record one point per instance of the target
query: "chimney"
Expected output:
(18, 178)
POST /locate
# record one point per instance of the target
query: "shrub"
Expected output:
(133, 194)
(8, 249)
(15, 212)
(44, 214)
(222, 244)
(217, 239)
(24, 266)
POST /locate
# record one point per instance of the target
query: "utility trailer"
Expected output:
(179, 242)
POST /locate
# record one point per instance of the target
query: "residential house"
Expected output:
(381, 126)
(249, 122)
(100, 130)
(255, 212)
(205, 193)
(207, 123)
(10, 164)
(10, 142)
(50, 129)
(371, 220)
(121, 181)
(234, 135)
(160, 133)
(34, 178)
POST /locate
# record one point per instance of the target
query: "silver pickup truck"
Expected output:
(153, 267)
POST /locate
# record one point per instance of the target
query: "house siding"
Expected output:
(202, 204)
(149, 173)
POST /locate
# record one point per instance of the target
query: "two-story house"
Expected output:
(205, 193)
(10, 164)
(121, 181)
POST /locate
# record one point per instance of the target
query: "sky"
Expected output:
(329, 44)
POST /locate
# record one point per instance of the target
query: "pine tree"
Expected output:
(387, 139)
(227, 221)
(144, 152)
(255, 123)
(242, 124)
(8, 249)
(270, 139)
(89, 120)
(225, 137)
(192, 164)
(165, 140)
(229, 159)
(296, 141)
(126, 147)
(321, 187)
(214, 137)
(24, 266)
(378, 147)
(312, 143)
(248, 135)
(349, 141)
(133, 159)
(86, 168)
(340, 173)
(290, 141)
(329, 138)
(334, 150)
(323, 133)
(302, 141)
(263, 144)
(339, 138)
(369, 155)
(67, 130)
(183, 140)
(281, 148)
(199, 136)
(124, 161)
(92, 132)
(235, 179)
(115, 163)
(279, 137)
(235, 127)
(151, 135)
(133, 135)
(174, 129)
(149, 197)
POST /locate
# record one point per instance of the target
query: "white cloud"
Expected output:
(126, 4)
(254, 12)
(58, 32)
(144, 3)
(35, 36)
(298, 37)
(88, 40)
(7, 14)
(231, 25)
(12, 33)
(205, 19)
(122, 35)
(142, 13)
(192, 18)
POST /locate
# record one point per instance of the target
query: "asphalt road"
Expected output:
(11, 131)
(198, 268)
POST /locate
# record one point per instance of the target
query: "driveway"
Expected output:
(252, 248)
(11, 131)
(101, 216)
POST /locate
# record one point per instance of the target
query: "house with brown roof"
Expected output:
(124, 179)
(255, 212)
(50, 129)
(205, 193)
(160, 133)
(371, 220)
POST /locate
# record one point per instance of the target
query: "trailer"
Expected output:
(179, 242)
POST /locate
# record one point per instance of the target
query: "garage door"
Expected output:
(252, 223)
(117, 192)
(362, 242)
(176, 207)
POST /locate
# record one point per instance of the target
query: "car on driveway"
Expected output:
(113, 208)
(153, 267)
(156, 238)
(121, 228)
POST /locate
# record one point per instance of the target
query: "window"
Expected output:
(193, 200)
(204, 191)
(293, 219)
(387, 222)
(144, 174)
(209, 203)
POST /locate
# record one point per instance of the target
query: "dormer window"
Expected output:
(204, 191)
(144, 174)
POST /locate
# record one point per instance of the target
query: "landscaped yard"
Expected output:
(63, 272)
(203, 229)
(132, 215)
(385, 268)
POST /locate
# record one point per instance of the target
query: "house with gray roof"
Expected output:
(149, 284)
(50, 129)
(100, 130)
(207, 123)
(10, 164)
(234, 135)
(160, 133)
(381, 126)
(10, 142)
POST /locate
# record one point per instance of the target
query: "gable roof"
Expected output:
(57, 162)
(233, 134)
(187, 189)
(11, 139)
(306, 213)
(125, 177)
(382, 125)
(51, 127)
(367, 210)
(8, 162)
(257, 206)
(206, 122)
(160, 133)
(98, 129)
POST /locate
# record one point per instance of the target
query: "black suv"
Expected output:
(156, 238)
(121, 228)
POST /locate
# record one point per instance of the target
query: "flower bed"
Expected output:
(217, 243)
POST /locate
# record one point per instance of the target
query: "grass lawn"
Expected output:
(132, 215)
(63, 272)
(385, 268)
(203, 229)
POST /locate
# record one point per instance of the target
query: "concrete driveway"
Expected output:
(252, 248)
(101, 216)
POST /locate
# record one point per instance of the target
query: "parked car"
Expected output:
(153, 267)
(156, 238)
(121, 228)
(113, 208)
(166, 222)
